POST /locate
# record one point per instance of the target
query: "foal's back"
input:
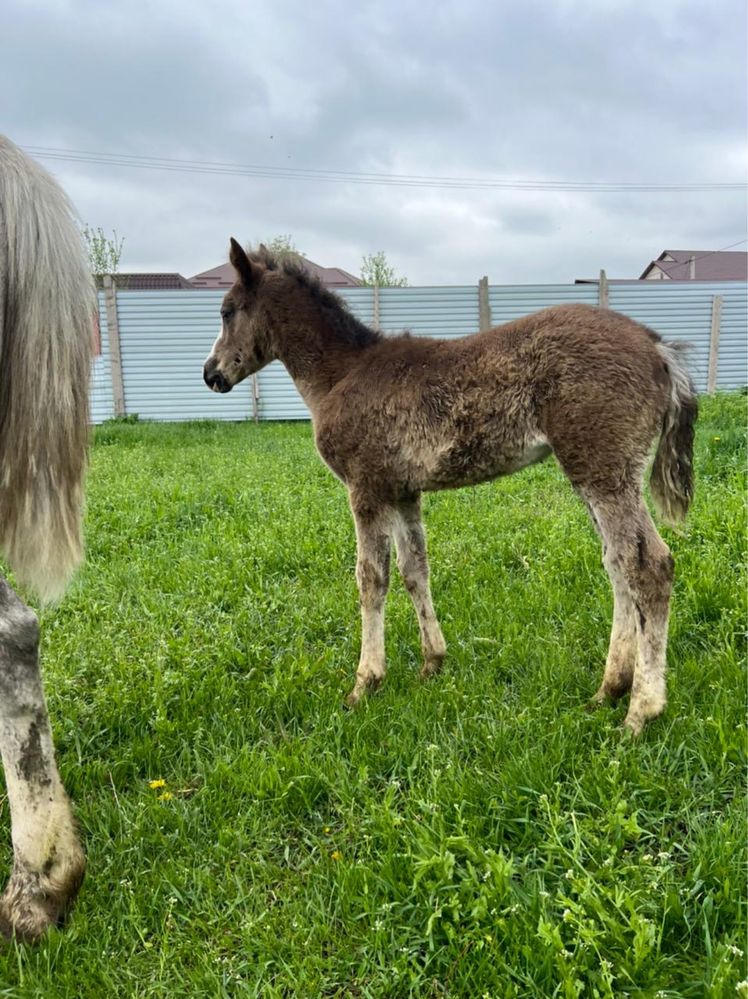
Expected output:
(416, 413)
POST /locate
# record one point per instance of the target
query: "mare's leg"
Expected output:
(639, 561)
(413, 564)
(374, 523)
(48, 862)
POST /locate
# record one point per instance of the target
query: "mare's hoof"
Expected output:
(33, 901)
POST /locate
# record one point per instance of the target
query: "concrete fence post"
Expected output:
(115, 353)
(484, 306)
(255, 399)
(375, 307)
(602, 291)
(711, 381)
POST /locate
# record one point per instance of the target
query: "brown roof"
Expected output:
(151, 282)
(224, 277)
(714, 265)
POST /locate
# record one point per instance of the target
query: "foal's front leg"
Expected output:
(48, 862)
(374, 535)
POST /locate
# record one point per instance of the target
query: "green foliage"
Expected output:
(283, 247)
(375, 270)
(481, 834)
(104, 253)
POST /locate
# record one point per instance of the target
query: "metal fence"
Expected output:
(153, 343)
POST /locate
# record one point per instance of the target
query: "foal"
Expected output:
(394, 416)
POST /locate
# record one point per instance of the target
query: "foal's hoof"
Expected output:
(32, 901)
(368, 685)
(635, 726)
(612, 690)
(431, 667)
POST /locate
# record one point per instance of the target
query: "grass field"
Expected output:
(482, 834)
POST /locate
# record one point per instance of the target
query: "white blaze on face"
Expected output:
(214, 348)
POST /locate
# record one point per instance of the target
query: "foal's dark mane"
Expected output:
(340, 321)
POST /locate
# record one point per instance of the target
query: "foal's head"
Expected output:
(243, 345)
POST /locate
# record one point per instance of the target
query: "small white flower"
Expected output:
(735, 950)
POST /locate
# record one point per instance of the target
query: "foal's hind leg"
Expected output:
(374, 536)
(48, 862)
(636, 557)
(622, 651)
(413, 564)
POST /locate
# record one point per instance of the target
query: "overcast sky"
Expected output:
(562, 90)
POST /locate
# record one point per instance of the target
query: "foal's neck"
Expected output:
(317, 340)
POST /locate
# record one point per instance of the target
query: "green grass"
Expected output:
(481, 834)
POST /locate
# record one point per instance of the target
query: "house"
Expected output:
(151, 282)
(697, 265)
(224, 277)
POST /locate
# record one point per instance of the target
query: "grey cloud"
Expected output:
(565, 89)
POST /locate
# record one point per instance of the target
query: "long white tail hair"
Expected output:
(47, 307)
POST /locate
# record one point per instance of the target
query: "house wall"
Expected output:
(166, 335)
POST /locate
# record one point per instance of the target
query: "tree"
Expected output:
(103, 253)
(284, 248)
(376, 271)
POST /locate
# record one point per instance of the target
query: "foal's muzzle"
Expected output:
(213, 377)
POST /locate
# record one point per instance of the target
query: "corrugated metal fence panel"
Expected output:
(732, 370)
(165, 337)
(508, 302)
(278, 398)
(683, 311)
(443, 312)
(101, 404)
(360, 301)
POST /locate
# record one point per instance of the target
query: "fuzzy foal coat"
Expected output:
(415, 414)
(397, 416)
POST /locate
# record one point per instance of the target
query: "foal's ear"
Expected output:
(247, 273)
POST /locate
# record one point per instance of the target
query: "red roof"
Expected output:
(224, 276)
(709, 265)
(148, 282)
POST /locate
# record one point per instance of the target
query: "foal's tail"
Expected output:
(672, 472)
(47, 305)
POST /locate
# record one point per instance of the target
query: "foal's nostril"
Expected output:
(213, 378)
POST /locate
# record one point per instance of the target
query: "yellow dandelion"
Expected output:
(155, 784)
(166, 796)
(717, 438)
(327, 829)
(336, 855)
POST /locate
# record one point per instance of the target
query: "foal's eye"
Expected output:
(227, 312)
